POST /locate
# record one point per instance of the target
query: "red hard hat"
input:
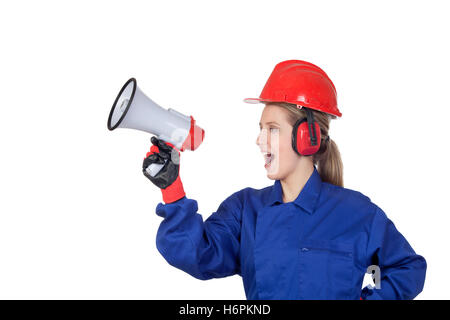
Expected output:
(301, 83)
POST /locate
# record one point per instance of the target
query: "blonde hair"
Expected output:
(328, 159)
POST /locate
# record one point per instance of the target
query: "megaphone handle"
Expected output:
(154, 168)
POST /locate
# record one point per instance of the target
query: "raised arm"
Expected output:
(207, 249)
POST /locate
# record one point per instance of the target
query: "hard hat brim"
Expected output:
(259, 100)
(255, 100)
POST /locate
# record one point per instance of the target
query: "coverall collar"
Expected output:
(306, 199)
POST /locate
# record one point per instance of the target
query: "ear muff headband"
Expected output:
(311, 126)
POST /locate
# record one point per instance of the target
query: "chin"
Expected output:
(276, 171)
(274, 175)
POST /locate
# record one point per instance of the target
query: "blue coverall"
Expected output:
(316, 247)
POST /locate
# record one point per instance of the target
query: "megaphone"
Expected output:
(132, 109)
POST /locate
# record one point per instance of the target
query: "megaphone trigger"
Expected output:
(153, 163)
(153, 169)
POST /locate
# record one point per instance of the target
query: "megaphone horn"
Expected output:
(132, 109)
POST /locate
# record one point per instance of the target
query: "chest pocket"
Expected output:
(326, 269)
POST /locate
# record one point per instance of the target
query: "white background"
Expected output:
(78, 217)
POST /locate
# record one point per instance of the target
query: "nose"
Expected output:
(261, 139)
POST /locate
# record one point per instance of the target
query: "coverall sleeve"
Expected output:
(402, 270)
(207, 249)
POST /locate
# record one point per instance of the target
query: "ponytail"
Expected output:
(329, 163)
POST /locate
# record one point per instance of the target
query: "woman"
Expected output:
(304, 237)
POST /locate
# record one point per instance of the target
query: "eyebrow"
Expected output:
(270, 122)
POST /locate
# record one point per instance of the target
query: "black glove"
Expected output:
(162, 153)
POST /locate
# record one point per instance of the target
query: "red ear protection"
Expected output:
(306, 135)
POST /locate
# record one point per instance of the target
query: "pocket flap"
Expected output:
(328, 245)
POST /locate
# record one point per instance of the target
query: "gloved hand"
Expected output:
(168, 178)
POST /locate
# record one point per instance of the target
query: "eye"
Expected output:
(274, 129)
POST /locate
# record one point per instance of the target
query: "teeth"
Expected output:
(268, 158)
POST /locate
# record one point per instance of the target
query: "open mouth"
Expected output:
(268, 158)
